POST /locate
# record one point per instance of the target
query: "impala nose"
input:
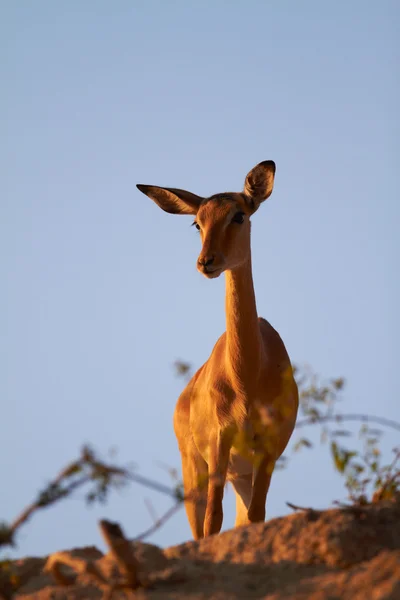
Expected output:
(206, 261)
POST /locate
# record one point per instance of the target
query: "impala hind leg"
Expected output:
(262, 473)
(195, 484)
(243, 489)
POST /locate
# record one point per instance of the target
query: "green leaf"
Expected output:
(341, 456)
(365, 481)
(372, 441)
(313, 413)
(5, 535)
(302, 442)
(338, 383)
(358, 468)
(281, 463)
(181, 368)
(179, 492)
(347, 456)
(337, 457)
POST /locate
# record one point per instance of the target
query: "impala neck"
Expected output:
(243, 337)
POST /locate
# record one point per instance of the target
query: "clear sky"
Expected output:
(99, 290)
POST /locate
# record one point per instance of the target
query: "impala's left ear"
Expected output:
(259, 183)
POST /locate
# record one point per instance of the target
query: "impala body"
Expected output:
(236, 415)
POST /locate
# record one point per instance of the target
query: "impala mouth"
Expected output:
(211, 273)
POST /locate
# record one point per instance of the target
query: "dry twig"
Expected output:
(295, 507)
(121, 551)
(79, 565)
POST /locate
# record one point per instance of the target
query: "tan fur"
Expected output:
(236, 415)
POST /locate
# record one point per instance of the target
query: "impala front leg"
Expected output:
(217, 468)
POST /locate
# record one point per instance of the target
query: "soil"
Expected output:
(336, 554)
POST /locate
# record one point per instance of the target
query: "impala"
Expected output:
(236, 415)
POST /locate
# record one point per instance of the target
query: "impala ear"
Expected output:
(172, 200)
(259, 183)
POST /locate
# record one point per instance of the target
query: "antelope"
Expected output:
(236, 415)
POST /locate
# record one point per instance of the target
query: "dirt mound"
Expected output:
(309, 555)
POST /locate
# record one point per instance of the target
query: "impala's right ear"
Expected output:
(172, 200)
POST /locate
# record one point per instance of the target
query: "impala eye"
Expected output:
(238, 218)
(195, 224)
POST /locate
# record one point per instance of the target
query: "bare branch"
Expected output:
(87, 469)
(348, 417)
(151, 510)
(36, 505)
(159, 523)
(151, 484)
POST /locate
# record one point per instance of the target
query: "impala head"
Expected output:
(223, 220)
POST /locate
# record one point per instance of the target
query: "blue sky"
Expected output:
(100, 293)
